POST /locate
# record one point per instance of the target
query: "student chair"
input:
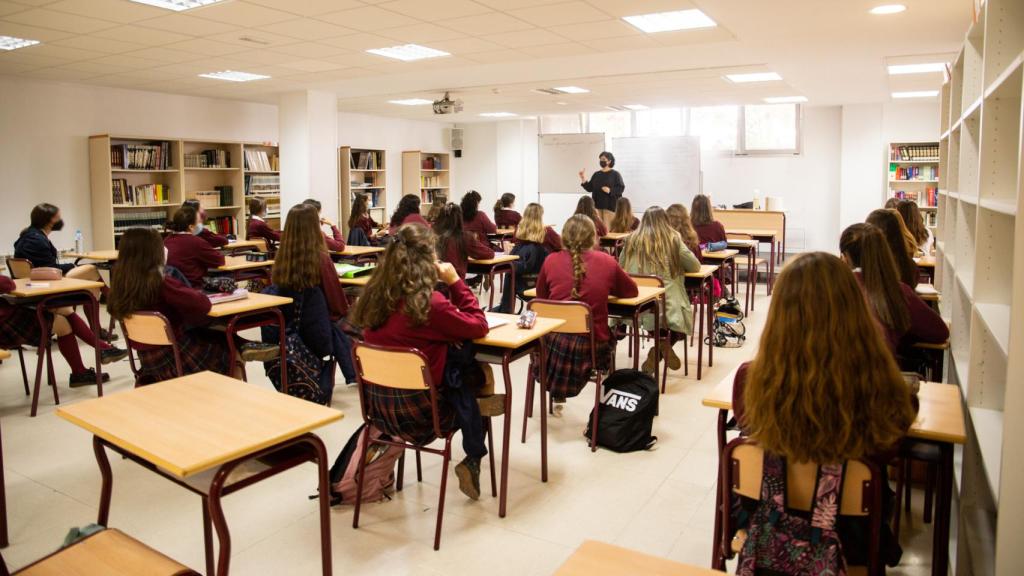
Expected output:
(579, 322)
(403, 370)
(741, 473)
(751, 263)
(149, 329)
(5, 355)
(108, 552)
(19, 268)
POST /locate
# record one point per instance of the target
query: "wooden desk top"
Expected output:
(736, 242)
(615, 236)
(594, 558)
(237, 263)
(927, 292)
(359, 250)
(4, 355)
(255, 301)
(98, 255)
(511, 336)
(239, 244)
(502, 259)
(64, 285)
(191, 424)
(644, 295)
(925, 262)
(111, 553)
(357, 281)
(504, 232)
(752, 231)
(720, 254)
(940, 418)
(705, 271)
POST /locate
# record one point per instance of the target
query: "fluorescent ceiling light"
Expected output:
(753, 77)
(888, 9)
(12, 43)
(177, 5)
(916, 94)
(668, 21)
(498, 114)
(571, 89)
(234, 76)
(408, 52)
(634, 106)
(412, 102)
(785, 99)
(897, 69)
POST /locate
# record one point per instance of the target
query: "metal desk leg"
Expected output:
(506, 434)
(543, 398)
(711, 323)
(717, 558)
(3, 502)
(701, 303)
(944, 503)
(107, 482)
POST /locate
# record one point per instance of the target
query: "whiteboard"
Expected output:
(659, 170)
(560, 157)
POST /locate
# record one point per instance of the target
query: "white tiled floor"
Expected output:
(659, 502)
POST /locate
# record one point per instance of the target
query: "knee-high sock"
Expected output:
(81, 329)
(68, 346)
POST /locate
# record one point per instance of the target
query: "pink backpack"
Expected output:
(379, 471)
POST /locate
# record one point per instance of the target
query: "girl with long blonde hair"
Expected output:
(623, 221)
(679, 219)
(532, 243)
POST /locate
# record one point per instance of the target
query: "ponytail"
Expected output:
(578, 236)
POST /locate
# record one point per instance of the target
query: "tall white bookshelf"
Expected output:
(362, 171)
(914, 176)
(980, 270)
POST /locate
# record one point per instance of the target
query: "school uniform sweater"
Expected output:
(505, 218)
(215, 240)
(602, 230)
(453, 319)
(34, 245)
(367, 225)
(480, 225)
(475, 249)
(192, 256)
(414, 218)
(552, 240)
(258, 228)
(337, 303)
(605, 200)
(603, 277)
(925, 324)
(6, 309)
(183, 307)
(713, 232)
(334, 241)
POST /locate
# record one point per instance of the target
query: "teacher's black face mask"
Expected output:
(57, 226)
(604, 163)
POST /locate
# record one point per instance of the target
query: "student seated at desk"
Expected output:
(186, 251)
(20, 327)
(655, 249)
(902, 247)
(532, 243)
(905, 317)
(583, 273)
(679, 219)
(335, 243)
(823, 386)
(586, 208)
(456, 245)
(623, 221)
(400, 307)
(257, 226)
(914, 222)
(211, 237)
(709, 230)
(505, 215)
(473, 220)
(362, 230)
(407, 212)
(440, 200)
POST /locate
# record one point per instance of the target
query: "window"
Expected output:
(716, 126)
(771, 128)
(660, 122)
(561, 124)
(613, 124)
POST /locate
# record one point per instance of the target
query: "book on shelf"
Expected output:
(431, 195)
(365, 160)
(911, 173)
(929, 197)
(432, 163)
(213, 158)
(222, 225)
(155, 219)
(227, 195)
(260, 161)
(206, 198)
(141, 156)
(262, 184)
(914, 153)
(431, 182)
(124, 193)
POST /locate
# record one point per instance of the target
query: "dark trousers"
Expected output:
(343, 352)
(467, 416)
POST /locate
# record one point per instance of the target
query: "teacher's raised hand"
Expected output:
(583, 176)
(606, 190)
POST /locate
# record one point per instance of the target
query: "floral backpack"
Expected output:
(779, 542)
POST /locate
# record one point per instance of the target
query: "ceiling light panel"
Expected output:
(570, 90)
(898, 69)
(753, 77)
(411, 102)
(177, 5)
(916, 94)
(887, 9)
(408, 52)
(234, 76)
(669, 21)
(13, 43)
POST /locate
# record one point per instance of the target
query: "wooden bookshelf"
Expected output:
(262, 178)
(362, 171)
(225, 172)
(913, 174)
(980, 270)
(426, 174)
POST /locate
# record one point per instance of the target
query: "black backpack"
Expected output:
(629, 403)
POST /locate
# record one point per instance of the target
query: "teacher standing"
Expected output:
(605, 187)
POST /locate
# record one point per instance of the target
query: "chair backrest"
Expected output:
(577, 315)
(19, 267)
(149, 328)
(396, 368)
(647, 280)
(261, 244)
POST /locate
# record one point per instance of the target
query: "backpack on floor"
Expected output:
(379, 471)
(728, 330)
(629, 403)
(782, 543)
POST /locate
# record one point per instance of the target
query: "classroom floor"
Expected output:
(660, 502)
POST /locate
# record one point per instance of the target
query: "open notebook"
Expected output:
(351, 270)
(221, 297)
(494, 321)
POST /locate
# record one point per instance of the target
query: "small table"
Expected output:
(646, 298)
(254, 311)
(761, 235)
(353, 252)
(500, 264)
(103, 258)
(722, 258)
(703, 282)
(940, 419)
(926, 265)
(612, 241)
(748, 248)
(502, 235)
(503, 345)
(594, 558)
(239, 268)
(48, 296)
(196, 431)
(238, 245)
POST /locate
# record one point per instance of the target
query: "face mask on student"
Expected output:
(198, 229)
(57, 226)
(604, 163)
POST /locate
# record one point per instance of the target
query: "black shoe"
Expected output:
(260, 351)
(112, 354)
(86, 378)
(468, 473)
(108, 336)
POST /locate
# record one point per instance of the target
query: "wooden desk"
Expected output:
(498, 259)
(594, 558)
(97, 255)
(702, 283)
(771, 220)
(4, 355)
(109, 552)
(500, 264)
(358, 251)
(503, 345)
(361, 281)
(254, 302)
(722, 258)
(207, 422)
(255, 311)
(504, 232)
(927, 292)
(240, 264)
(242, 245)
(764, 235)
(648, 299)
(926, 266)
(749, 249)
(23, 288)
(612, 242)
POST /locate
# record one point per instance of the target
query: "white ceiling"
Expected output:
(831, 51)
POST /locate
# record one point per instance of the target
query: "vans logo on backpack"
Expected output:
(619, 399)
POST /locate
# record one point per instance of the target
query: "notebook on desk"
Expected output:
(351, 270)
(493, 322)
(222, 297)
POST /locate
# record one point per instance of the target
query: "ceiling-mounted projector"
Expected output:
(447, 106)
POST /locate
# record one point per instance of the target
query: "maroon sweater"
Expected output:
(335, 243)
(604, 277)
(713, 232)
(410, 219)
(602, 230)
(475, 249)
(367, 225)
(181, 306)
(337, 303)
(215, 240)
(192, 255)
(453, 319)
(480, 225)
(6, 309)
(505, 218)
(257, 228)
(552, 241)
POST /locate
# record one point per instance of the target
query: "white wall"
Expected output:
(44, 153)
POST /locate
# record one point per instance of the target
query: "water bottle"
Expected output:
(78, 241)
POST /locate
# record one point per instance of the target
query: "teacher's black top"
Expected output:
(613, 180)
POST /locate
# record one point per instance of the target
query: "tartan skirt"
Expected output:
(568, 362)
(21, 328)
(200, 350)
(406, 414)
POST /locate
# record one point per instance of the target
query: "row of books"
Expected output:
(908, 173)
(213, 158)
(262, 184)
(366, 161)
(432, 182)
(429, 196)
(222, 225)
(139, 194)
(928, 197)
(916, 152)
(372, 196)
(149, 219)
(260, 161)
(432, 163)
(141, 156)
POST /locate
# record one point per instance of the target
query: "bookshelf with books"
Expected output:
(362, 171)
(212, 174)
(262, 178)
(426, 174)
(914, 175)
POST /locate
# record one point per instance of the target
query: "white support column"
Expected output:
(308, 127)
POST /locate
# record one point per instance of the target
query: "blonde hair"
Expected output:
(655, 246)
(824, 386)
(679, 219)
(531, 227)
(578, 236)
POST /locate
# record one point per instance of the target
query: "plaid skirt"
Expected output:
(200, 350)
(406, 414)
(568, 363)
(21, 328)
